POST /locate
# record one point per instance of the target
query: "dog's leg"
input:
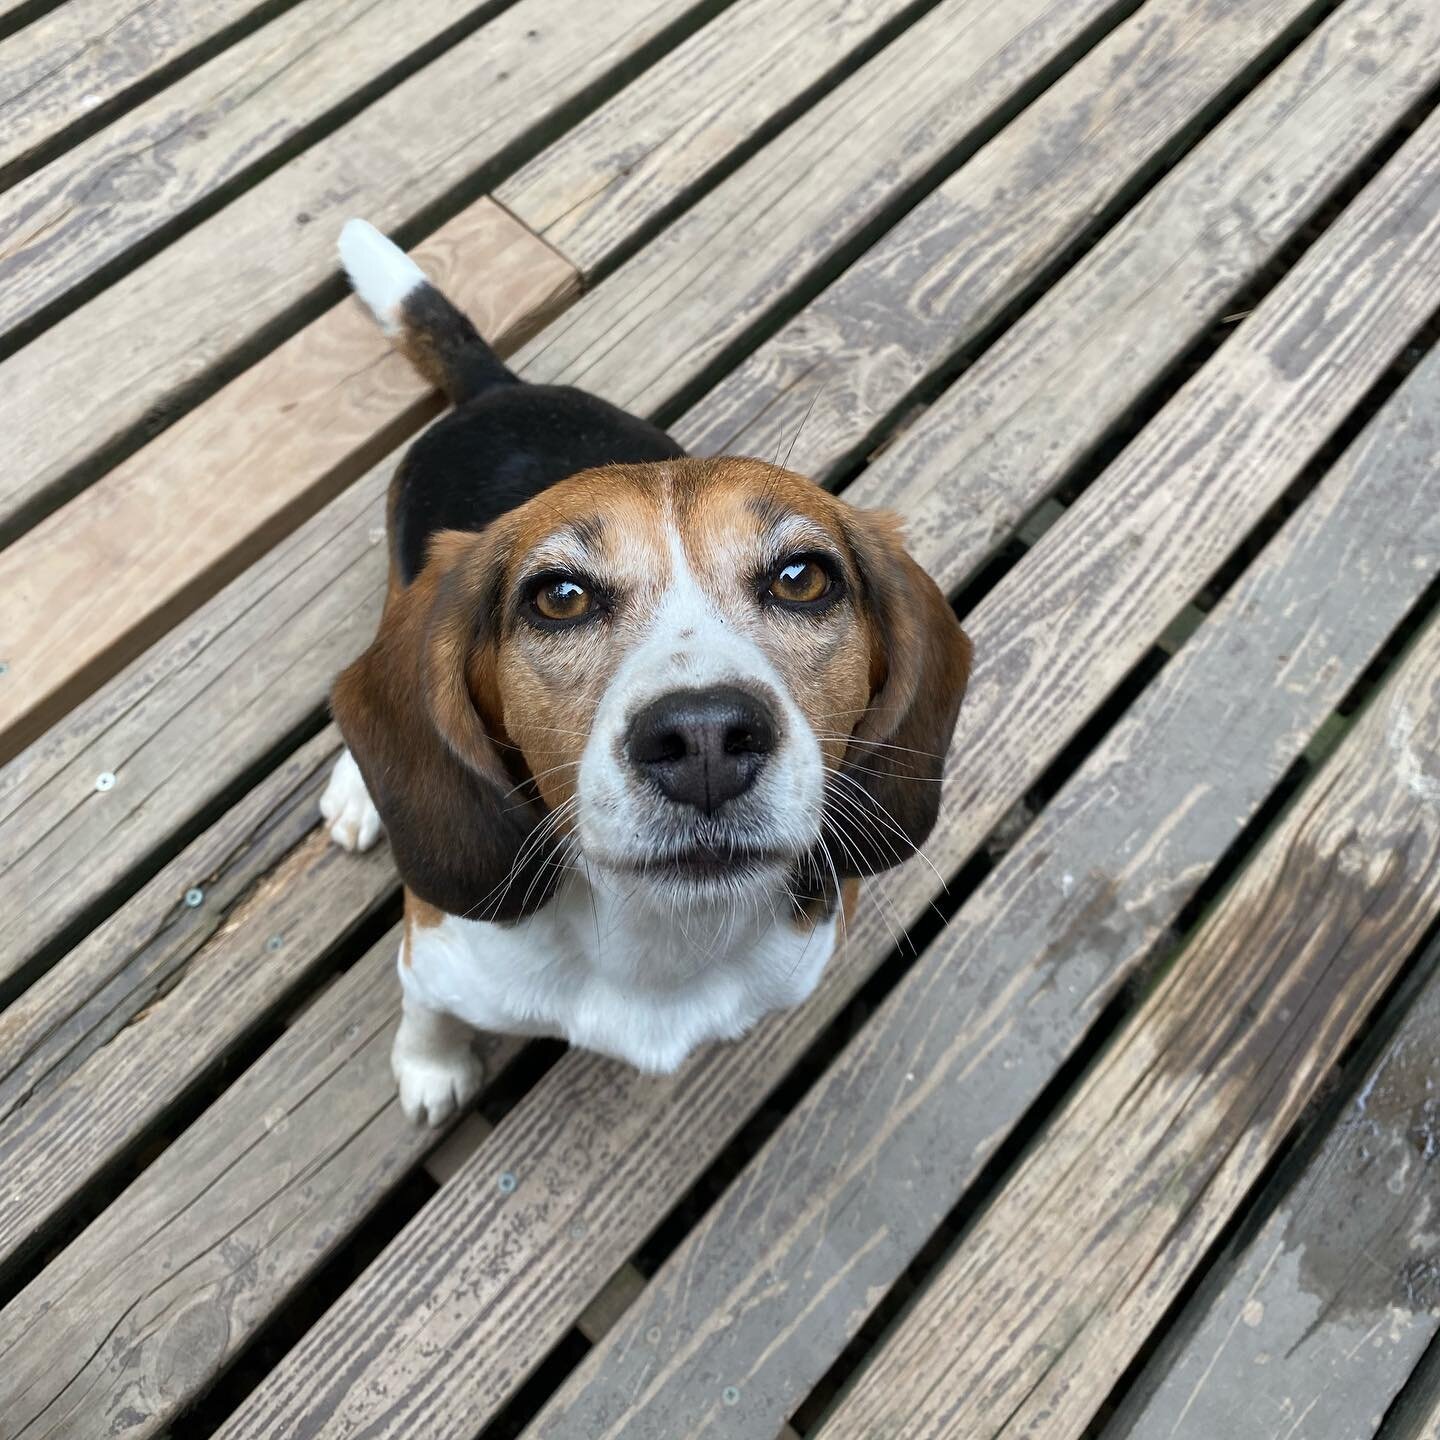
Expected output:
(437, 1071)
(346, 805)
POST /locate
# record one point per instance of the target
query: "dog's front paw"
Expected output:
(348, 810)
(435, 1085)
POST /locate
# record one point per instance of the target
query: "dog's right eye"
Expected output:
(561, 599)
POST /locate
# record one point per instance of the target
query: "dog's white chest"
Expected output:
(595, 970)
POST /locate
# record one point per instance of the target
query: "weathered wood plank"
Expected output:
(86, 57)
(133, 1319)
(858, 1177)
(83, 211)
(121, 967)
(204, 705)
(59, 1135)
(900, 312)
(1314, 1327)
(653, 327)
(186, 722)
(1030, 1324)
(133, 350)
(84, 593)
(1029, 409)
(492, 1276)
(621, 169)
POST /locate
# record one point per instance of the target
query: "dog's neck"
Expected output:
(642, 982)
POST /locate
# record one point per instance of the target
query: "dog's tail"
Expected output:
(433, 332)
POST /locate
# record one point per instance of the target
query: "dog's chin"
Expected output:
(700, 876)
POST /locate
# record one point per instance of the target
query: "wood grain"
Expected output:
(133, 1319)
(1031, 407)
(622, 168)
(84, 590)
(1316, 1324)
(774, 1283)
(63, 1130)
(906, 307)
(87, 56)
(83, 211)
(1077, 1259)
(186, 723)
(492, 1279)
(133, 352)
(654, 326)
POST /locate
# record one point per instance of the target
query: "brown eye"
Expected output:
(801, 580)
(561, 598)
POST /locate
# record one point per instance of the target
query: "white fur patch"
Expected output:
(347, 807)
(598, 970)
(381, 273)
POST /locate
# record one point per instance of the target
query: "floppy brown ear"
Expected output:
(887, 804)
(461, 818)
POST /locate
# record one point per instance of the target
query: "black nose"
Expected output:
(702, 747)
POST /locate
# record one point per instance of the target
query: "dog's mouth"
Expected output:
(701, 863)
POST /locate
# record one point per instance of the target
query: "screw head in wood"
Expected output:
(195, 897)
(274, 943)
(4, 667)
(105, 780)
(507, 1183)
(730, 1395)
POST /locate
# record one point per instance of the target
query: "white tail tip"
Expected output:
(381, 273)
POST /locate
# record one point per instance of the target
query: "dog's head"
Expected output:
(698, 678)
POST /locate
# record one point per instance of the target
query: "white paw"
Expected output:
(435, 1085)
(348, 810)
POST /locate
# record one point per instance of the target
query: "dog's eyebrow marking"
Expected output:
(588, 530)
(573, 543)
(787, 529)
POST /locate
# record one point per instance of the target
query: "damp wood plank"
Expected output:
(81, 213)
(1314, 1327)
(135, 1317)
(494, 1277)
(83, 60)
(682, 306)
(623, 169)
(200, 714)
(204, 304)
(95, 582)
(208, 702)
(771, 1287)
(859, 351)
(1030, 1324)
(92, 1090)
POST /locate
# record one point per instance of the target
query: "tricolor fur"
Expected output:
(633, 721)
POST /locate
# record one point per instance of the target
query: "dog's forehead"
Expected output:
(631, 517)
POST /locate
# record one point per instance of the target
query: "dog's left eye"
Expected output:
(801, 582)
(561, 598)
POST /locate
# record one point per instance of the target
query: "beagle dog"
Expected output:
(634, 722)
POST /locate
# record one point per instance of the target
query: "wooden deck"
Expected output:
(1128, 1130)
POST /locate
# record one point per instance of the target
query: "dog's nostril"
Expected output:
(702, 747)
(737, 742)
